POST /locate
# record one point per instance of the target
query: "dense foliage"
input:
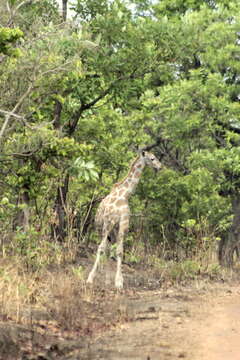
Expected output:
(77, 96)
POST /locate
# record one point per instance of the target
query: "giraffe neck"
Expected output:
(129, 183)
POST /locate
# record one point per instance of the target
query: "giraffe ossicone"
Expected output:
(113, 213)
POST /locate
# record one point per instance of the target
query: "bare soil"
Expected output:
(188, 323)
(199, 320)
(218, 332)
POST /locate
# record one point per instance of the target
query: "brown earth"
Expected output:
(194, 324)
(218, 330)
(197, 321)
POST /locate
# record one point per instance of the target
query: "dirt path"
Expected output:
(198, 322)
(218, 331)
(192, 324)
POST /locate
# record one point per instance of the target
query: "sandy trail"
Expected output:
(175, 325)
(217, 329)
(198, 322)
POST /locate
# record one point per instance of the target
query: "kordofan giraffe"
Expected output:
(113, 212)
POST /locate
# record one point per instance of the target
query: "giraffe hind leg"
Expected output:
(101, 250)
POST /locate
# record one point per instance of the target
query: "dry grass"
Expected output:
(50, 304)
(18, 290)
(58, 296)
(65, 298)
(60, 292)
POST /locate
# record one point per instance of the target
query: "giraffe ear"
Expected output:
(141, 151)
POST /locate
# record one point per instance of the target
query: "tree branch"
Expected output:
(84, 107)
(87, 106)
(12, 12)
(9, 115)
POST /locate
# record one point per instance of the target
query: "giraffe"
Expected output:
(113, 214)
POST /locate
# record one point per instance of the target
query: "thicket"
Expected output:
(76, 97)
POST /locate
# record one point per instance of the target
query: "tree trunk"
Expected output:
(59, 228)
(26, 212)
(22, 218)
(230, 244)
(64, 9)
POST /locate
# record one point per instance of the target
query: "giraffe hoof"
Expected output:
(89, 280)
(119, 289)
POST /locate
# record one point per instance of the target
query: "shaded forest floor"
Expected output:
(196, 319)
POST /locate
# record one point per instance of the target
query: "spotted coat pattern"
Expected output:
(113, 213)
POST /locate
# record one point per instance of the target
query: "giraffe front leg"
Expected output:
(101, 250)
(123, 229)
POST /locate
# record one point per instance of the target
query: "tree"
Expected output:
(26, 113)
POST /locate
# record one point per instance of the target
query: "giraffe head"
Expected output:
(151, 160)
